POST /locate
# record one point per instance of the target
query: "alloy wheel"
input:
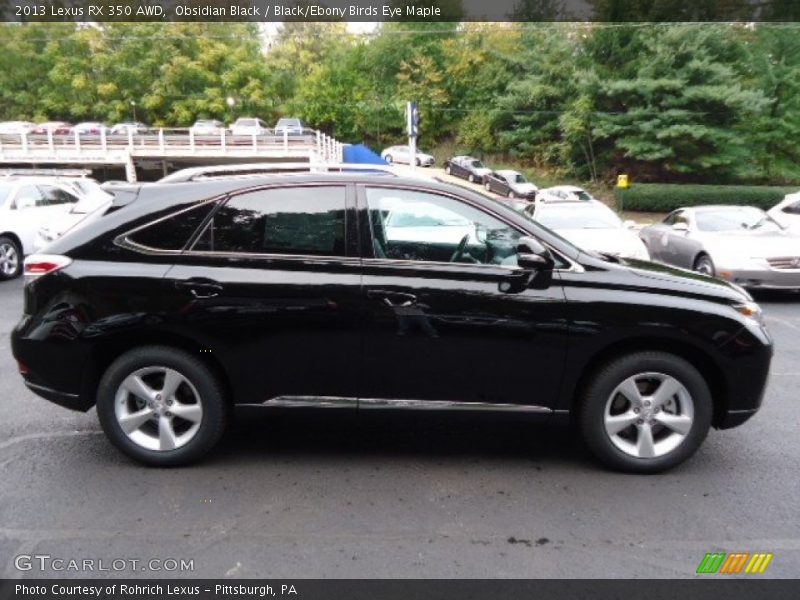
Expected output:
(158, 408)
(649, 415)
(9, 259)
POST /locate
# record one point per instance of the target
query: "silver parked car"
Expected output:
(742, 244)
(402, 155)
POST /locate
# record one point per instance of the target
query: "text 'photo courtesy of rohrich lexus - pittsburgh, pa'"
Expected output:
(190, 301)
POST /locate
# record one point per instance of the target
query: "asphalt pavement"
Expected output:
(423, 496)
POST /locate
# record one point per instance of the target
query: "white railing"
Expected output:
(168, 143)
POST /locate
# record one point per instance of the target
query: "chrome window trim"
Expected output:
(123, 240)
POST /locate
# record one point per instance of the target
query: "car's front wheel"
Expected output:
(388, 158)
(10, 258)
(471, 178)
(704, 265)
(161, 406)
(487, 186)
(645, 412)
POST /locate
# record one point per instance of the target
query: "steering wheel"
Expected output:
(459, 253)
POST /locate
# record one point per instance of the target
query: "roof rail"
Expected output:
(247, 169)
(45, 172)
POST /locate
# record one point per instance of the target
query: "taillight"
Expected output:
(37, 265)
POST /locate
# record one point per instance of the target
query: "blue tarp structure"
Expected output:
(359, 153)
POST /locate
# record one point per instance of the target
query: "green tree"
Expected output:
(678, 115)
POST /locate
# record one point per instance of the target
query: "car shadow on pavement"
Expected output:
(422, 434)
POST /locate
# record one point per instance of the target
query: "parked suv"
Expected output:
(364, 291)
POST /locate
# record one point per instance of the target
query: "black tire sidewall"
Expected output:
(214, 405)
(4, 239)
(591, 412)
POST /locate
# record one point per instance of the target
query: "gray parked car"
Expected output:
(742, 244)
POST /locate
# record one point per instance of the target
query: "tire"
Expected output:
(487, 186)
(192, 437)
(471, 178)
(388, 158)
(604, 408)
(10, 258)
(447, 169)
(511, 194)
(417, 162)
(703, 264)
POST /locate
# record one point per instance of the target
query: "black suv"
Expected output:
(369, 291)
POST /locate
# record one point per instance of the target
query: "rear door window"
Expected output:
(303, 220)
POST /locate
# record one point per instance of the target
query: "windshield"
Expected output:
(583, 195)
(735, 219)
(424, 214)
(556, 217)
(246, 122)
(476, 164)
(289, 122)
(519, 178)
(5, 190)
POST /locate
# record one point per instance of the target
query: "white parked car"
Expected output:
(27, 203)
(290, 126)
(92, 204)
(249, 126)
(207, 127)
(560, 193)
(16, 127)
(133, 127)
(90, 128)
(787, 212)
(402, 155)
(590, 225)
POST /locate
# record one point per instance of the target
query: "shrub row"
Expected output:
(664, 197)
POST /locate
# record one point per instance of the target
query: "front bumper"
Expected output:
(763, 279)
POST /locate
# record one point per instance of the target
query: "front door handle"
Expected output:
(200, 287)
(391, 298)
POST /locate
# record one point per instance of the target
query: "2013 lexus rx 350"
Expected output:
(187, 300)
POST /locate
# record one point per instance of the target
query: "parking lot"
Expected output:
(420, 496)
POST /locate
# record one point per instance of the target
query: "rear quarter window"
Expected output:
(173, 231)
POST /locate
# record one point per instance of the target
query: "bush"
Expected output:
(665, 197)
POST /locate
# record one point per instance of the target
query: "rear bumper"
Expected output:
(65, 399)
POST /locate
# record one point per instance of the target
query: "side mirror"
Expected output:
(532, 256)
(681, 227)
(25, 202)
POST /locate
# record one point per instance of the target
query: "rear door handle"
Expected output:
(200, 287)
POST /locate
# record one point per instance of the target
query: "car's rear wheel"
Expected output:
(487, 186)
(10, 258)
(161, 406)
(704, 265)
(471, 178)
(447, 169)
(645, 412)
(511, 194)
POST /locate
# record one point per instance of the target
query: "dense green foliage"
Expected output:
(664, 197)
(690, 103)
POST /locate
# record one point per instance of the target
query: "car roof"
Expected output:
(566, 188)
(710, 207)
(508, 172)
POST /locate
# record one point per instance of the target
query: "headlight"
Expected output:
(750, 310)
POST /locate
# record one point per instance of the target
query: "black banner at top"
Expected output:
(401, 10)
